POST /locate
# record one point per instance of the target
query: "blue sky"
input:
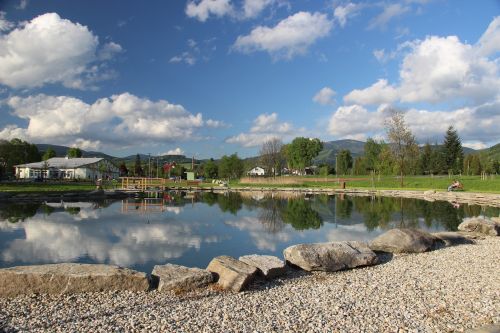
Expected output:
(213, 77)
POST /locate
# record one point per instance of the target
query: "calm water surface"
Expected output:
(190, 229)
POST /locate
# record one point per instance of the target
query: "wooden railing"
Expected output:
(143, 184)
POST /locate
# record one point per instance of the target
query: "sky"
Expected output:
(206, 78)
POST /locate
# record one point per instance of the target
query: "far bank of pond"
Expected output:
(191, 228)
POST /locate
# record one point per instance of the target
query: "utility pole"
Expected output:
(157, 165)
(149, 173)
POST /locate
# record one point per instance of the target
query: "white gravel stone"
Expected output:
(453, 289)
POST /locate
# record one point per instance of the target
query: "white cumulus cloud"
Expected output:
(292, 36)
(202, 10)
(265, 127)
(49, 49)
(120, 120)
(176, 151)
(326, 96)
(357, 122)
(378, 93)
(252, 8)
(439, 70)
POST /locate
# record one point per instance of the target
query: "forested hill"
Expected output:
(326, 156)
(492, 152)
(61, 151)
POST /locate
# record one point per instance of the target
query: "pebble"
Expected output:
(448, 290)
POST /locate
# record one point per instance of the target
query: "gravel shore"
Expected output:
(448, 290)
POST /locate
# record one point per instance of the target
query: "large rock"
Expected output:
(232, 274)
(480, 225)
(330, 256)
(175, 277)
(406, 241)
(69, 278)
(268, 266)
(451, 238)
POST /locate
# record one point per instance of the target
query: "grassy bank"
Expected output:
(438, 183)
(49, 187)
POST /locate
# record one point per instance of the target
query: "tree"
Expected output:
(123, 170)
(270, 156)
(472, 164)
(138, 168)
(372, 153)
(49, 153)
(385, 163)
(453, 151)
(424, 162)
(359, 166)
(344, 162)
(403, 145)
(230, 167)
(301, 151)
(16, 152)
(74, 152)
(210, 169)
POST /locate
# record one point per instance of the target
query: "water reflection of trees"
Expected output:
(375, 212)
(270, 214)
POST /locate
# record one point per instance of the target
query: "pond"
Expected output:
(191, 228)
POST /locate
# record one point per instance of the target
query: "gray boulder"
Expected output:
(451, 238)
(406, 241)
(480, 225)
(231, 273)
(68, 279)
(175, 277)
(268, 266)
(330, 257)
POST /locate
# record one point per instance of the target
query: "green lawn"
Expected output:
(439, 183)
(49, 187)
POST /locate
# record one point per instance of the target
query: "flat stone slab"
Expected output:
(406, 241)
(488, 227)
(268, 266)
(69, 278)
(231, 273)
(451, 238)
(330, 257)
(175, 277)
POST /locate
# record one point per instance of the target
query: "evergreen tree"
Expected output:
(453, 151)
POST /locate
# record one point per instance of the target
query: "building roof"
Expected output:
(62, 163)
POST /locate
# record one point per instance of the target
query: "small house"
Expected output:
(68, 168)
(257, 171)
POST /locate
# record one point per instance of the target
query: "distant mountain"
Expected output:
(179, 159)
(62, 151)
(331, 148)
(492, 152)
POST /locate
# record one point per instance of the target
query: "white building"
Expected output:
(257, 171)
(68, 168)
